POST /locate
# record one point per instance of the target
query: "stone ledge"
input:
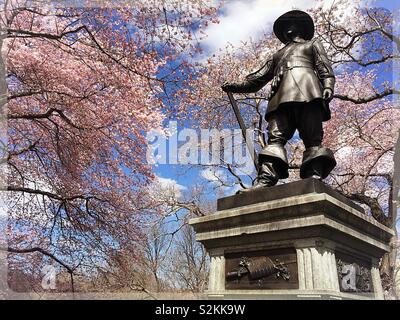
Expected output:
(287, 225)
(288, 210)
(287, 295)
(282, 191)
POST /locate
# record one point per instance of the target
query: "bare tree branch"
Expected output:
(377, 96)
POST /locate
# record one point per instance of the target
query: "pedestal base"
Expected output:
(301, 240)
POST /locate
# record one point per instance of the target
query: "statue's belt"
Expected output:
(296, 64)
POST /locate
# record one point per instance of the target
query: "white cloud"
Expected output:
(216, 176)
(243, 19)
(213, 175)
(169, 186)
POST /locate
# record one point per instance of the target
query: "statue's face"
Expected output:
(292, 31)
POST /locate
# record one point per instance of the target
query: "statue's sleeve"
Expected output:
(255, 80)
(323, 66)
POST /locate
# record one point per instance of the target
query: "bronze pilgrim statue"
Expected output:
(302, 87)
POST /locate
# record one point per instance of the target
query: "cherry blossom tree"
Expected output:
(84, 85)
(363, 46)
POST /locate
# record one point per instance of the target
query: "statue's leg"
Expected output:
(267, 176)
(309, 124)
(273, 159)
(317, 161)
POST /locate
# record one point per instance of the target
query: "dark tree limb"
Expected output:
(53, 195)
(376, 210)
(19, 33)
(48, 114)
(374, 97)
(47, 254)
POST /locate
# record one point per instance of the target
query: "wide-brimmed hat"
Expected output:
(301, 18)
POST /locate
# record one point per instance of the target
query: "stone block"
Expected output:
(297, 240)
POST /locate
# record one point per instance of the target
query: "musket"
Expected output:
(260, 267)
(239, 118)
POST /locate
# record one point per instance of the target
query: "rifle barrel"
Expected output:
(242, 125)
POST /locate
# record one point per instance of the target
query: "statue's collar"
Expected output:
(297, 40)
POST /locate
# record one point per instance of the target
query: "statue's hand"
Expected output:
(327, 94)
(227, 86)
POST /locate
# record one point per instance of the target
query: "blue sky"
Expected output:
(389, 4)
(255, 17)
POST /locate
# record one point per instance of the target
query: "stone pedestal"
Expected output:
(293, 241)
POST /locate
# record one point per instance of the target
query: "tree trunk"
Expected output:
(389, 261)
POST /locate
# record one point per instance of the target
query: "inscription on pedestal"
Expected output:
(262, 269)
(354, 274)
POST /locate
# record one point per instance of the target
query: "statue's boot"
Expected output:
(273, 166)
(318, 162)
(267, 177)
(276, 155)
